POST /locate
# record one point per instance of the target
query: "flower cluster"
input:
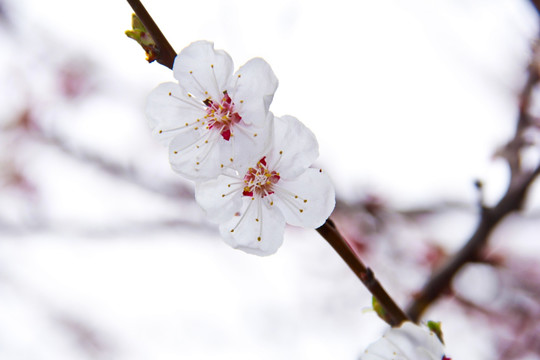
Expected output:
(409, 341)
(252, 170)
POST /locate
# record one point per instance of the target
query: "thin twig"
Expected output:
(394, 313)
(166, 53)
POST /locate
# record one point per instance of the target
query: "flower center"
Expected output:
(259, 180)
(221, 115)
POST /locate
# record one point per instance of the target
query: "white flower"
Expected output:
(253, 204)
(211, 115)
(408, 342)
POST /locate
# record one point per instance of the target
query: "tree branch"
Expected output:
(330, 233)
(166, 53)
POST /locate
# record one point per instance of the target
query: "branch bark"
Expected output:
(395, 316)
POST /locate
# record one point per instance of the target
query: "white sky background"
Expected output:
(408, 99)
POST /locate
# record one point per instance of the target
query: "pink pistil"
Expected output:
(259, 180)
(221, 115)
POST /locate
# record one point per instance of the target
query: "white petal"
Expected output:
(295, 147)
(220, 198)
(167, 114)
(252, 90)
(258, 229)
(307, 200)
(250, 143)
(203, 71)
(194, 154)
(409, 341)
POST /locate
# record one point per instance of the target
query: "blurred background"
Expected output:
(105, 255)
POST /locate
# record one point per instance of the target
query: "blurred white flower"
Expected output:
(211, 116)
(253, 204)
(408, 342)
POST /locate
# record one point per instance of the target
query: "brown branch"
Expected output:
(166, 54)
(330, 233)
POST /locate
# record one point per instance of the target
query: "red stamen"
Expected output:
(222, 115)
(260, 180)
(226, 133)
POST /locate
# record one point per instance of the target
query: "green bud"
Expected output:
(379, 309)
(143, 38)
(435, 326)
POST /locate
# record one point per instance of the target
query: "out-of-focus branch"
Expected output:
(119, 171)
(512, 201)
(166, 54)
(395, 316)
